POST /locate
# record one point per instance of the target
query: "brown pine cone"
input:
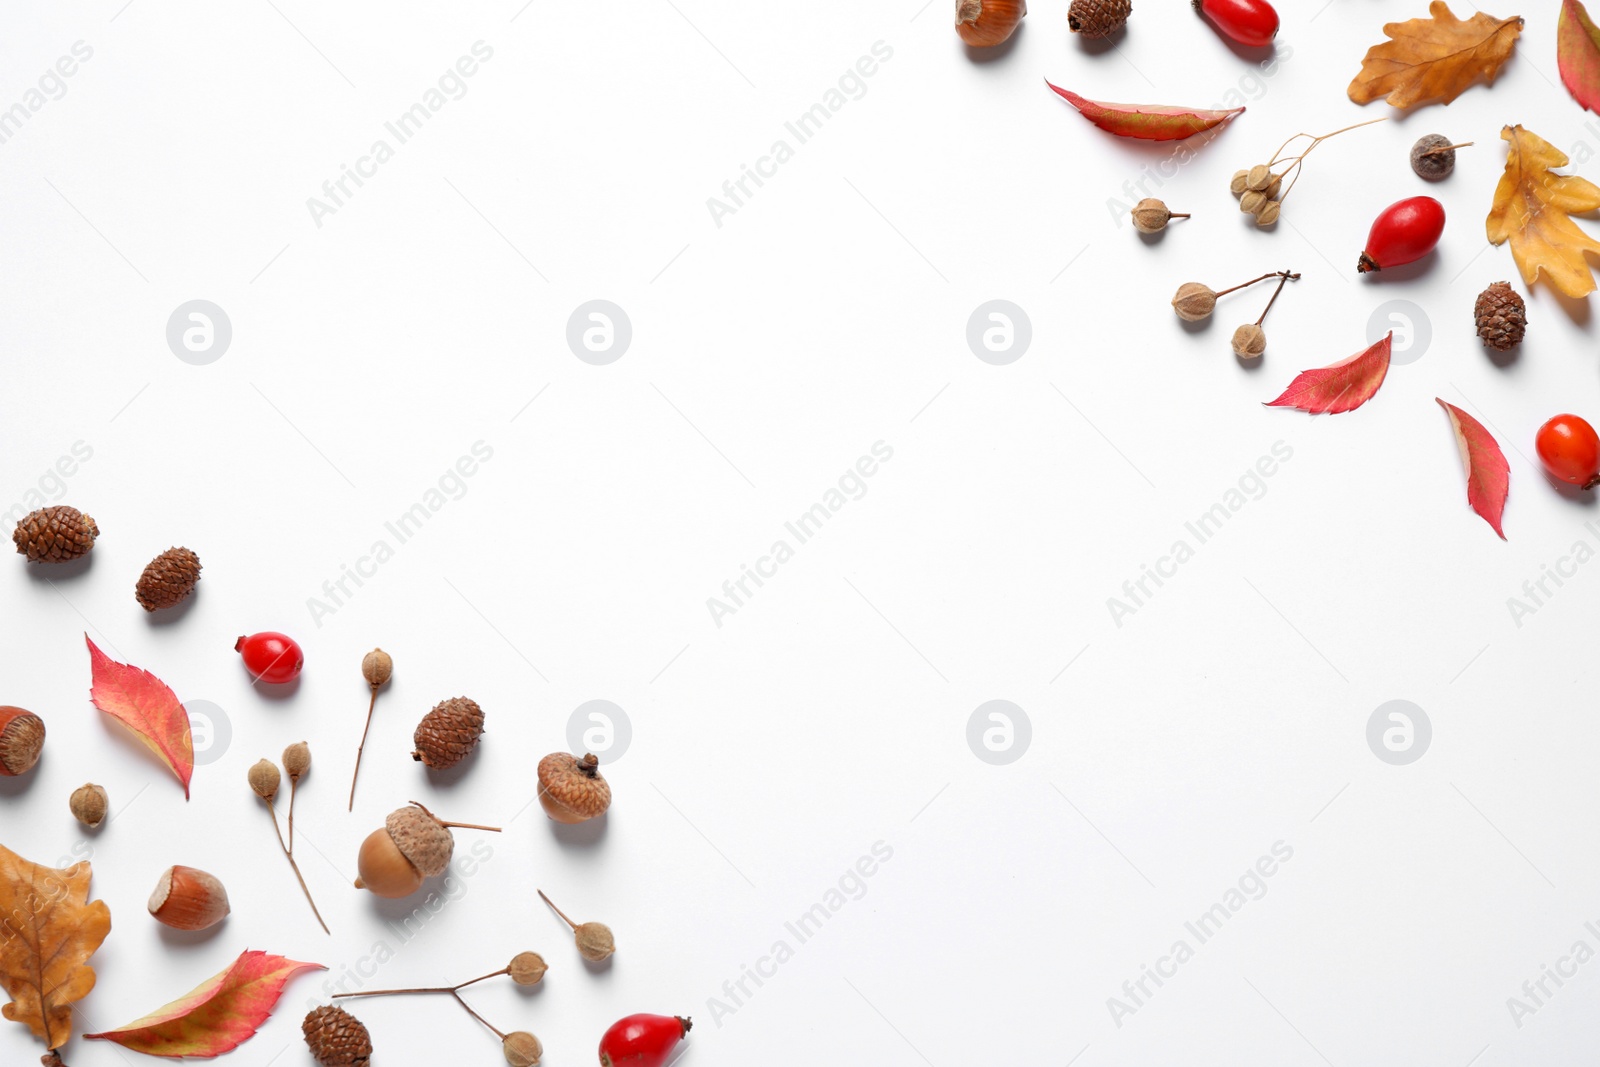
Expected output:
(448, 733)
(55, 535)
(1098, 18)
(168, 579)
(336, 1038)
(1502, 317)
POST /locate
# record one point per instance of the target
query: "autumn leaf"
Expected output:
(1146, 121)
(1488, 474)
(1532, 208)
(1342, 387)
(48, 930)
(143, 703)
(218, 1015)
(1434, 59)
(1578, 54)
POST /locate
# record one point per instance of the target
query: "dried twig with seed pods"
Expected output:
(594, 940)
(376, 667)
(1262, 189)
(264, 781)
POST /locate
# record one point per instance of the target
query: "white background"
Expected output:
(768, 354)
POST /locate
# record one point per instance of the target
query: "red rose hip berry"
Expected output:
(1570, 450)
(271, 657)
(642, 1040)
(1406, 231)
(1250, 22)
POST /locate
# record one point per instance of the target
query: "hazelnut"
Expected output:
(89, 803)
(985, 23)
(189, 899)
(21, 740)
(571, 789)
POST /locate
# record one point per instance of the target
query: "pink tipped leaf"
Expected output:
(1342, 387)
(1578, 54)
(1488, 474)
(218, 1015)
(143, 703)
(1147, 122)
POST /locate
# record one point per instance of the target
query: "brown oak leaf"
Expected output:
(48, 930)
(1436, 58)
(1533, 209)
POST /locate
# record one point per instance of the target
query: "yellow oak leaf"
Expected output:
(1434, 59)
(48, 930)
(1532, 209)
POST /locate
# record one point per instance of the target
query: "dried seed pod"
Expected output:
(55, 534)
(1269, 213)
(1239, 183)
(168, 579)
(527, 968)
(571, 790)
(1098, 18)
(265, 779)
(1259, 178)
(1274, 187)
(1194, 301)
(188, 899)
(1434, 157)
(522, 1049)
(1249, 341)
(594, 940)
(412, 846)
(89, 805)
(448, 733)
(21, 740)
(297, 760)
(1151, 215)
(1253, 201)
(986, 23)
(1501, 317)
(336, 1038)
(376, 667)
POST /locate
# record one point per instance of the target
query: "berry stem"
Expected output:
(455, 825)
(1252, 281)
(1177, 214)
(296, 867)
(1283, 280)
(361, 747)
(476, 1016)
(1448, 148)
(485, 978)
(294, 787)
(397, 992)
(555, 909)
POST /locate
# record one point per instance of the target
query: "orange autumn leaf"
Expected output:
(48, 930)
(1434, 59)
(144, 704)
(1533, 208)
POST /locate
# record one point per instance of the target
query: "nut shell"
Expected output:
(55, 534)
(21, 740)
(168, 579)
(986, 23)
(188, 899)
(384, 869)
(571, 790)
(89, 805)
(336, 1038)
(448, 733)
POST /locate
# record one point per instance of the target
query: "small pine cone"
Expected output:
(448, 733)
(1502, 317)
(168, 579)
(336, 1038)
(55, 535)
(1098, 18)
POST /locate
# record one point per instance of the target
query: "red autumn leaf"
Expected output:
(218, 1015)
(1145, 121)
(1342, 387)
(1488, 474)
(1578, 54)
(143, 703)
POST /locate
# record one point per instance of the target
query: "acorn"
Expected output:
(168, 579)
(55, 534)
(21, 740)
(89, 805)
(188, 899)
(413, 846)
(571, 789)
(448, 733)
(336, 1038)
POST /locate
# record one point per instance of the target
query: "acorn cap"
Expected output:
(421, 838)
(168, 579)
(55, 534)
(448, 733)
(336, 1038)
(573, 785)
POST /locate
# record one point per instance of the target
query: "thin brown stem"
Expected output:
(1220, 292)
(361, 747)
(456, 825)
(1448, 148)
(476, 1016)
(296, 868)
(1177, 214)
(563, 914)
(294, 787)
(485, 978)
(397, 992)
(1282, 281)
